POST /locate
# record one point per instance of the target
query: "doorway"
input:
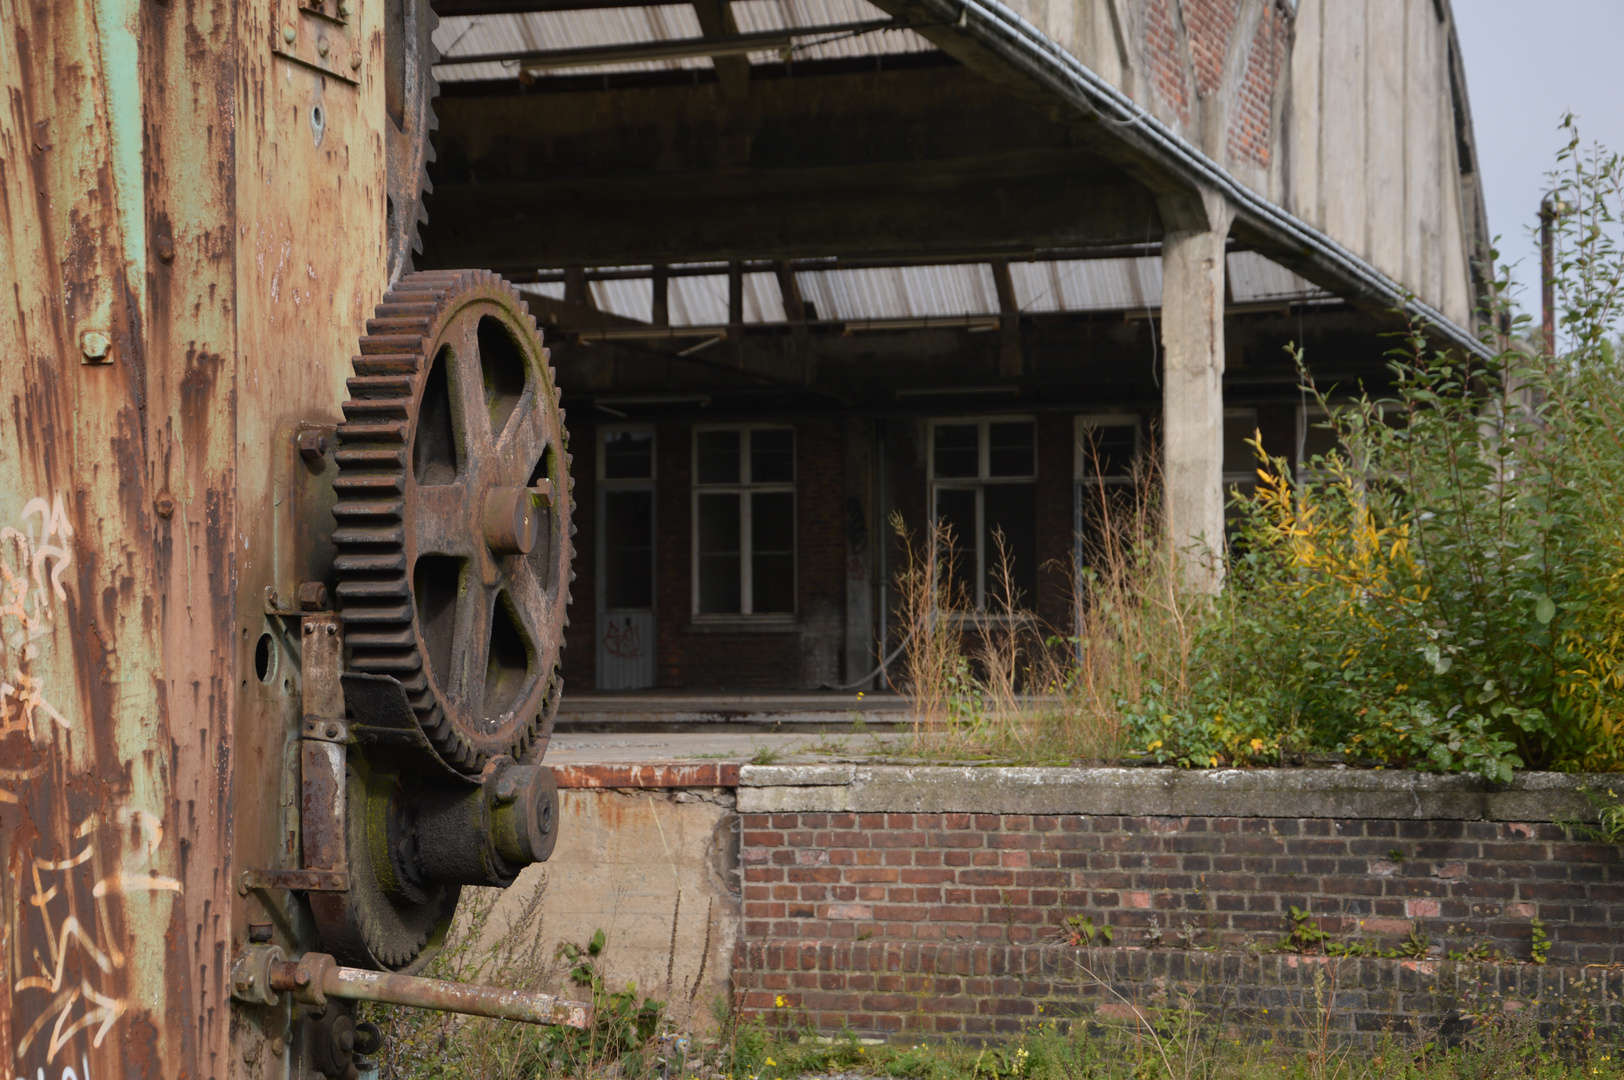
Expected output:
(626, 558)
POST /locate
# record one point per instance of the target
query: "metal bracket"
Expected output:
(324, 734)
(313, 38)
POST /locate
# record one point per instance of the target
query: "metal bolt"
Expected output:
(163, 504)
(301, 977)
(289, 33)
(312, 596)
(322, 46)
(95, 344)
(332, 628)
(507, 788)
(310, 628)
(278, 1046)
(165, 248)
(331, 731)
(312, 445)
(355, 61)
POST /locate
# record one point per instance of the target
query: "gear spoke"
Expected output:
(470, 391)
(527, 434)
(530, 601)
(464, 682)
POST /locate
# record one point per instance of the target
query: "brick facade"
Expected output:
(951, 924)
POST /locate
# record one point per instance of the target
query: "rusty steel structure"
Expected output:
(284, 545)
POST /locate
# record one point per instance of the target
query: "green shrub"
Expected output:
(1446, 589)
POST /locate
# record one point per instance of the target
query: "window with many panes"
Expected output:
(983, 477)
(744, 520)
(1105, 448)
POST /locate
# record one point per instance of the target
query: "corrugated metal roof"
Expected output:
(1253, 277)
(1087, 284)
(912, 292)
(536, 31)
(900, 292)
(757, 15)
(1136, 283)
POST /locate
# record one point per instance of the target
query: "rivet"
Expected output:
(332, 628)
(310, 628)
(163, 504)
(277, 1046)
(289, 33)
(322, 46)
(355, 61)
(166, 248)
(95, 344)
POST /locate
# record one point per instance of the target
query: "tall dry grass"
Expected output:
(1001, 682)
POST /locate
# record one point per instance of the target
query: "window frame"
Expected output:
(745, 490)
(641, 483)
(977, 483)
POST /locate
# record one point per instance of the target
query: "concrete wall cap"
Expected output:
(1151, 792)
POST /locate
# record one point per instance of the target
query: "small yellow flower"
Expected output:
(1257, 745)
(1155, 745)
(859, 693)
(778, 1003)
(770, 1061)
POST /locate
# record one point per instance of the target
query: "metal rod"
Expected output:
(679, 49)
(317, 976)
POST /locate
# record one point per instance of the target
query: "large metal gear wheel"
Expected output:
(453, 509)
(409, 92)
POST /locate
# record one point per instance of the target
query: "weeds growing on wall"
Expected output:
(1444, 590)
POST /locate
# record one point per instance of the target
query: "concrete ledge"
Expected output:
(1149, 792)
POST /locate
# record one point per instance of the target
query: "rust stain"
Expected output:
(652, 775)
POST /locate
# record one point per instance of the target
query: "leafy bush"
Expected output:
(1446, 589)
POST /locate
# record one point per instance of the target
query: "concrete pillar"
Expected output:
(1193, 394)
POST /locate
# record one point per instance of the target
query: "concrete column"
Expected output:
(1193, 394)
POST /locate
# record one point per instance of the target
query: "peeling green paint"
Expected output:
(116, 27)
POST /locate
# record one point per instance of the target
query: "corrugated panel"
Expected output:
(900, 292)
(1087, 284)
(630, 298)
(552, 290)
(1253, 277)
(702, 301)
(535, 31)
(753, 16)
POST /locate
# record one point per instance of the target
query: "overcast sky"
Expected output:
(1527, 62)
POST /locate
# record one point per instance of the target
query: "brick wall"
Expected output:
(1251, 112)
(950, 923)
